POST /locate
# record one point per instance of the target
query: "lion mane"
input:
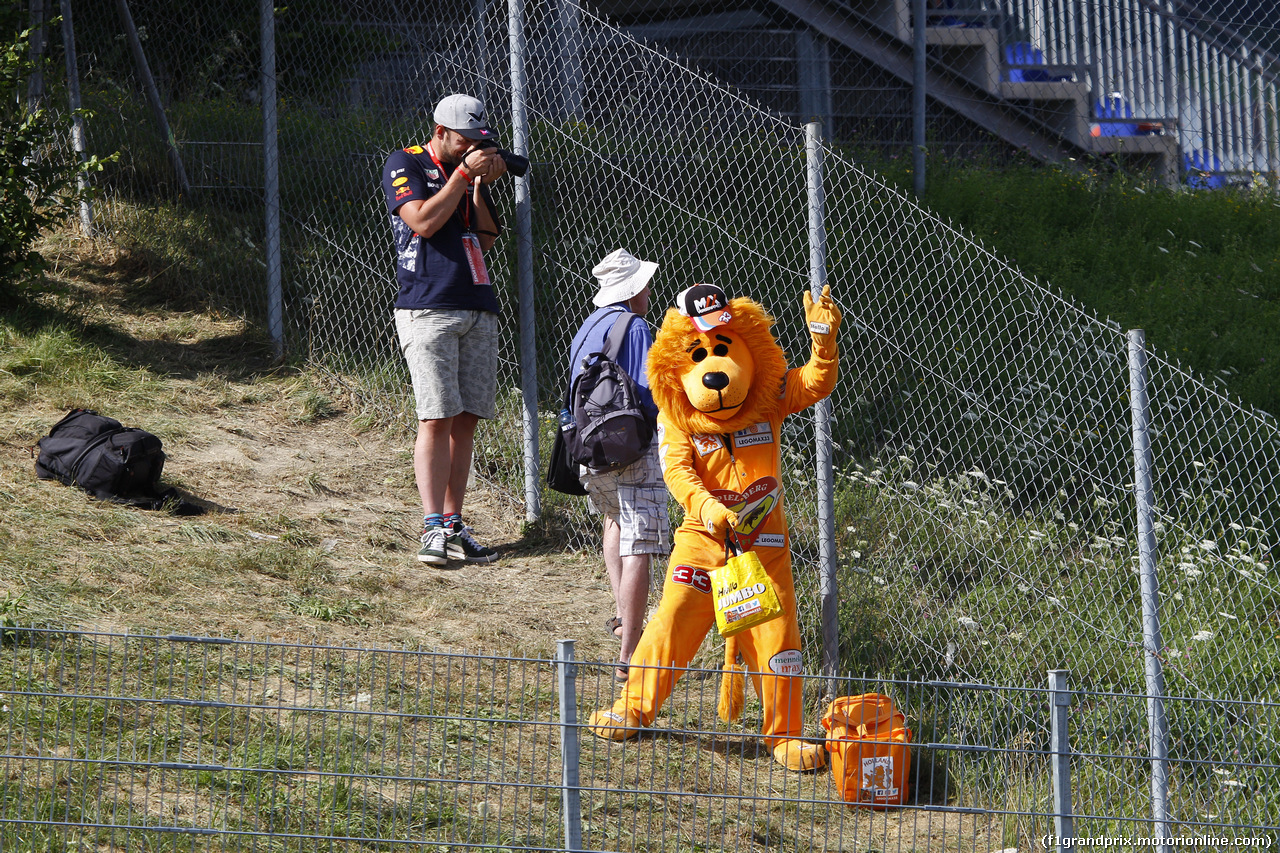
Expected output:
(669, 361)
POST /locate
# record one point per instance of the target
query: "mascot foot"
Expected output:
(799, 755)
(616, 723)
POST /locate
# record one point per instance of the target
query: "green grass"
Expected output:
(1198, 270)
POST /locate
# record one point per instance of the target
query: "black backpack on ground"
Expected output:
(110, 461)
(607, 427)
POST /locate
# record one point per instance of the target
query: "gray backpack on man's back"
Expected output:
(606, 427)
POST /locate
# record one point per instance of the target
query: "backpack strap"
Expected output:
(617, 334)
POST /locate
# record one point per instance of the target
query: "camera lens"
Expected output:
(516, 164)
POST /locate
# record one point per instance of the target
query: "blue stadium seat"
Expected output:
(1203, 171)
(939, 15)
(1114, 107)
(1023, 54)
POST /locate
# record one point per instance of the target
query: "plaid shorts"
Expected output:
(453, 360)
(636, 498)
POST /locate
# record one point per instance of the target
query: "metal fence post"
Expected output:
(814, 70)
(570, 755)
(1060, 752)
(35, 83)
(271, 178)
(1152, 644)
(919, 31)
(569, 47)
(828, 587)
(524, 268)
(77, 120)
(153, 95)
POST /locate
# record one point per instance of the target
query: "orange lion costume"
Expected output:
(723, 388)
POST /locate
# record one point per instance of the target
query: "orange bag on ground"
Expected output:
(870, 758)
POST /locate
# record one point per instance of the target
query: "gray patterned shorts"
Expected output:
(453, 360)
(636, 498)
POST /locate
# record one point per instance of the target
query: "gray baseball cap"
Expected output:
(464, 114)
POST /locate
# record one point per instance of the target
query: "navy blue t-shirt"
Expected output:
(433, 271)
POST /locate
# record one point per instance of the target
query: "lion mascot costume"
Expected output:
(723, 388)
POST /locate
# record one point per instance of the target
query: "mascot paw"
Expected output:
(799, 755)
(824, 311)
(718, 518)
(616, 723)
(823, 317)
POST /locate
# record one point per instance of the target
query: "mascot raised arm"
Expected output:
(723, 388)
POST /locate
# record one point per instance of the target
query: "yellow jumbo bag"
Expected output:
(870, 758)
(744, 595)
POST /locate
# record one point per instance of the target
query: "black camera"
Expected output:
(516, 164)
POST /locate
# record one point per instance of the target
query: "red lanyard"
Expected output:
(466, 205)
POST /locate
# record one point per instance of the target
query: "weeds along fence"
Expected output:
(981, 512)
(183, 743)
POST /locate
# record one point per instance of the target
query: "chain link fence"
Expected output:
(154, 742)
(981, 433)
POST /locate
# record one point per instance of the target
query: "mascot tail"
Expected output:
(732, 683)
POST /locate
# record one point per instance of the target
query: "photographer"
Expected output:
(443, 220)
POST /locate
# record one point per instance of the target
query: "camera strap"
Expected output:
(464, 207)
(470, 240)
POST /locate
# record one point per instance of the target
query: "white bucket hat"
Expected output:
(621, 275)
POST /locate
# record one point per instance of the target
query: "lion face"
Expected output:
(718, 381)
(719, 373)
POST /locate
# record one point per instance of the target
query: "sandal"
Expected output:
(620, 673)
(612, 625)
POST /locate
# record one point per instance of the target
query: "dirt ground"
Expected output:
(312, 529)
(347, 498)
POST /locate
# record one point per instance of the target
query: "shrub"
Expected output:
(38, 181)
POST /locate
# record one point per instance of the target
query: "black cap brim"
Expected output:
(477, 134)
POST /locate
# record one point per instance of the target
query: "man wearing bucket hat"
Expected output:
(443, 221)
(632, 500)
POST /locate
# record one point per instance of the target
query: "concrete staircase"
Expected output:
(1053, 116)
